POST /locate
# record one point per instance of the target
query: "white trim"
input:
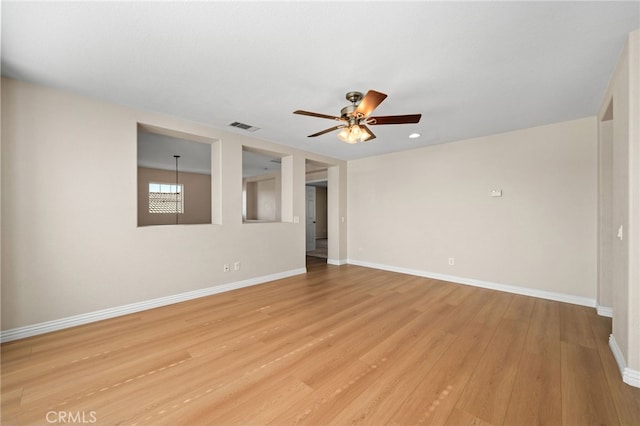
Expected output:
(337, 262)
(604, 311)
(59, 324)
(629, 376)
(542, 294)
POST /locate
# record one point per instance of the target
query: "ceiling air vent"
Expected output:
(243, 126)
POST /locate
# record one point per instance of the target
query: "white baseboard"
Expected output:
(59, 324)
(629, 376)
(542, 294)
(604, 311)
(337, 262)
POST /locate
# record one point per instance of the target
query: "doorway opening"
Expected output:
(607, 218)
(317, 236)
(316, 212)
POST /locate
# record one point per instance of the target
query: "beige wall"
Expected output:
(416, 209)
(621, 208)
(633, 360)
(71, 246)
(197, 197)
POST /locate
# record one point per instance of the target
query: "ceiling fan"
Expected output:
(356, 117)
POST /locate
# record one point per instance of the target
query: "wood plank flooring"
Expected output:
(338, 345)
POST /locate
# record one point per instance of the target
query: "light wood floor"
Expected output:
(339, 345)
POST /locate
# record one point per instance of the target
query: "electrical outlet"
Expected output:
(236, 266)
(452, 261)
(226, 267)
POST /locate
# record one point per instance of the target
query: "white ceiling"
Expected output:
(471, 68)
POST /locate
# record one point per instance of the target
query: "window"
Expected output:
(166, 198)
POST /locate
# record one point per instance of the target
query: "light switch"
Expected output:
(496, 193)
(620, 230)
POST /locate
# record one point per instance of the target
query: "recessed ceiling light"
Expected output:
(414, 135)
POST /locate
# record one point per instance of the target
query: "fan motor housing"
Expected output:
(347, 111)
(354, 97)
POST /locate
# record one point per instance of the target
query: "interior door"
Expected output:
(311, 217)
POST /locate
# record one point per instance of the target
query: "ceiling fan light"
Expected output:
(354, 134)
(352, 138)
(365, 136)
(344, 135)
(359, 113)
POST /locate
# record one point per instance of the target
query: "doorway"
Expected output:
(606, 218)
(317, 238)
(317, 211)
(310, 214)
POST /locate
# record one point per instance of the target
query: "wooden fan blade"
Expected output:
(394, 119)
(370, 102)
(373, 136)
(326, 131)
(315, 114)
